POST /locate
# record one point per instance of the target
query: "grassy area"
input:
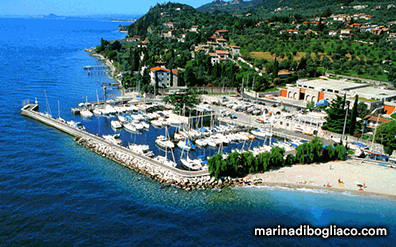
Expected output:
(383, 78)
(267, 55)
(393, 116)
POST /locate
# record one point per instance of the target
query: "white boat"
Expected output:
(164, 160)
(97, 111)
(193, 165)
(211, 142)
(112, 138)
(173, 121)
(116, 124)
(109, 110)
(130, 127)
(141, 149)
(137, 125)
(222, 138)
(201, 142)
(145, 125)
(164, 142)
(122, 119)
(186, 145)
(260, 133)
(157, 123)
(86, 113)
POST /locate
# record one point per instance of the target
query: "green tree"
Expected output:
(335, 115)
(310, 105)
(354, 114)
(386, 133)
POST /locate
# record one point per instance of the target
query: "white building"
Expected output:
(164, 77)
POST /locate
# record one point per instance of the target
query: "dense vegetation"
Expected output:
(336, 112)
(262, 44)
(241, 164)
(386, 134)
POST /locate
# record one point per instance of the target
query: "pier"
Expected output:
(30, 110)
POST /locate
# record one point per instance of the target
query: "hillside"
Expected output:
(242, 7)
(184, 15)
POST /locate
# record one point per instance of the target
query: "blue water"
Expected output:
(54, 192)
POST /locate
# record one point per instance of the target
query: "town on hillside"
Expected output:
(341, 55)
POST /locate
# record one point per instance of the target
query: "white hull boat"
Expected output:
(86, 114)
(116, 124)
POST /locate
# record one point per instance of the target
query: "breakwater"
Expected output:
(161, 174)
(167, 175)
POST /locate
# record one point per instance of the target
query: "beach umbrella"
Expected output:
(322, 102)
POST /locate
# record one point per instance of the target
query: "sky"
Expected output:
(83, 7)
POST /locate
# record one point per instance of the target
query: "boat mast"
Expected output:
(47, 104)
(58, 110)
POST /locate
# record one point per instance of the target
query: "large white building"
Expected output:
(324, 88)
(164, 76)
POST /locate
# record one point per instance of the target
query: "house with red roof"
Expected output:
(164, 77)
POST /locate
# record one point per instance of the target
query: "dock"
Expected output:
(30, 110)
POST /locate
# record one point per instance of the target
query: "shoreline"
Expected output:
(106, 62)
(296, 187)
(271, 178)
(356, 177)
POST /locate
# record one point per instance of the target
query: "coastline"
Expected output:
(301, 176)
(378, 181)
(107, 62)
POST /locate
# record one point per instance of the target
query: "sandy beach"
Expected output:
(350, 175)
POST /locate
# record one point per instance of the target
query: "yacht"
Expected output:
(164, 142)
(130, 127)
(145, 125)
(115, 139)
(193, 165)
(186, 145)
(260, 133)
(116, 124)
(138, 125)
(122, 118)
(164, 160)
(97, 111)
(86, 113)
(201, 142)
(141, 149)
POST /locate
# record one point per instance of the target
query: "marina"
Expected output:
(56, 191)
(130, 119)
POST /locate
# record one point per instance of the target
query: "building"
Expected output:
(133, 38)
(219, 55)
(235, 50)
(345, 33)
(316, 90)
(221, 33)
(390, 108)
(163, 76)
(283, 74)
(171, 24)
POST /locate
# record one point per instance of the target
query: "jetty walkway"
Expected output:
(30, 110)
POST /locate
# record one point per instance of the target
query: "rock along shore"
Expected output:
(164, 176)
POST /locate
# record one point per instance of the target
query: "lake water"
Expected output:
(54, 192)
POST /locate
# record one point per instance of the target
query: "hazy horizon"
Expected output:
(15, 8)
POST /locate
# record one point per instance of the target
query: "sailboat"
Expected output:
(85, 113)
(164, 159)
(59, 117)
(163, 141)
(190, 164)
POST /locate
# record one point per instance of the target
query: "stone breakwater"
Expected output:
(164, 176)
